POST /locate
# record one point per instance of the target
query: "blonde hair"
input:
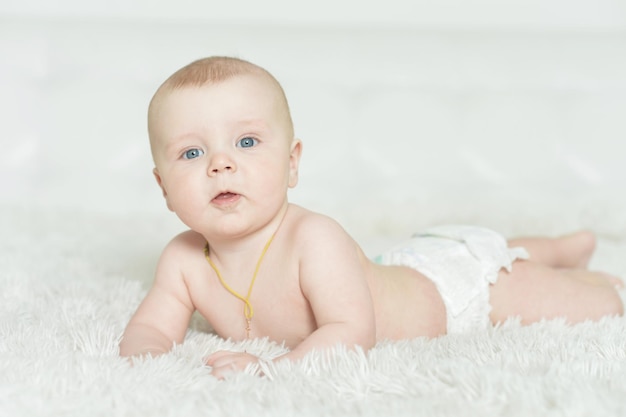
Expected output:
(213, 70)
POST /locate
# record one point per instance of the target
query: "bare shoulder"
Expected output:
(321, 240)
(177, 252)
(184, 242)
(310, 222)
(310, 228)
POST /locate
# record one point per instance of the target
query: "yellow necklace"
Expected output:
(248, 311)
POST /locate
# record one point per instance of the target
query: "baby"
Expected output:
(254, 265)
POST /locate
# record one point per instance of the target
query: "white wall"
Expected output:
(441, 103)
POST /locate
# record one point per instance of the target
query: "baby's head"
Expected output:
(212, 71)
(226, 120)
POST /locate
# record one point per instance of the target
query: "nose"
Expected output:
(221, 162)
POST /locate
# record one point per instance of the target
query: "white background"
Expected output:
(401, 104)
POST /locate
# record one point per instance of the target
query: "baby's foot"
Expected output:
(576, 249)
(613, 281)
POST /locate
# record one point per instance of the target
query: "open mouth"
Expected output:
(225, 198)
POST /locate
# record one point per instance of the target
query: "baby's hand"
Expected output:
(225, 362)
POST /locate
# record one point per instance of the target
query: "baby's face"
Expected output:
(224, 153)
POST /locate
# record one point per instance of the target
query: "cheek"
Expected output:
(274, 181)
(181, 191)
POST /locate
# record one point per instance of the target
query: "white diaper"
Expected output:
(461, 261)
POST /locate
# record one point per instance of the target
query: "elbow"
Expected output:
(128, 350)
(366, 337)
(370, 341)
(140, 340)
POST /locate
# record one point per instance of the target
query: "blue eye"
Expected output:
(247, 142)
(193, 153)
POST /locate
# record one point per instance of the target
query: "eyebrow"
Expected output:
(253, 122)
(173, 143)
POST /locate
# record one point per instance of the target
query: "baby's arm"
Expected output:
(333, 280)
(163, 316)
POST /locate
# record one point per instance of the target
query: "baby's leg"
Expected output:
(567, 251)
(534, 291)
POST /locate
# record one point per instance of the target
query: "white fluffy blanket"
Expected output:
(70, 281)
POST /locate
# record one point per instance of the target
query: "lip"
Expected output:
(225, 199)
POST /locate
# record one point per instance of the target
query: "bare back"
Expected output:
(407, 304)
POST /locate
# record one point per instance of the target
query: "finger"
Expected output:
(222, 372)
(220, 354)
(229, 365)
(235, 360)
(222, 361)
(617, 281)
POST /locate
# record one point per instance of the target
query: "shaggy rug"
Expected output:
(70, 281)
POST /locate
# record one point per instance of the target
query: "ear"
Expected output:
(157, 176)
(294, 162)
